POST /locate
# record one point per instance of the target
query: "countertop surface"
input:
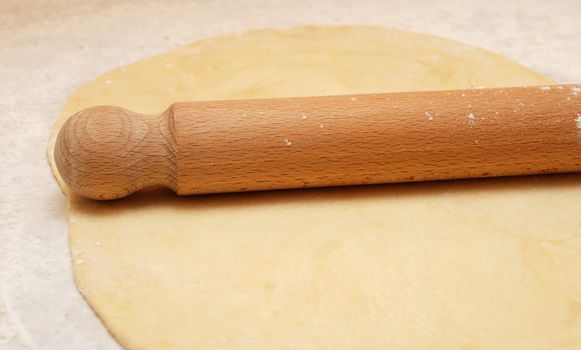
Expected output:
(49, 48)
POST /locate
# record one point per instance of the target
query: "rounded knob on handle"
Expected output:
(108, 152)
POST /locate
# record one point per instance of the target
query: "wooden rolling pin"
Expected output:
(108, 152)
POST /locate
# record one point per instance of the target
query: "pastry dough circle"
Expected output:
(485, 264)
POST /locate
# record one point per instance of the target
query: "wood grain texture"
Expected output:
(231, 146)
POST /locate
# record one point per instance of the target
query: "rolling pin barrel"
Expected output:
(231, 146)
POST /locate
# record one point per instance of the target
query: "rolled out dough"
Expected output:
(491, 264)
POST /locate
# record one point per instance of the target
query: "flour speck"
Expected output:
(471, 119)
(287, 142)
(429, 115)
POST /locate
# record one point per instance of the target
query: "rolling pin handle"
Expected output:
(108, 152)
